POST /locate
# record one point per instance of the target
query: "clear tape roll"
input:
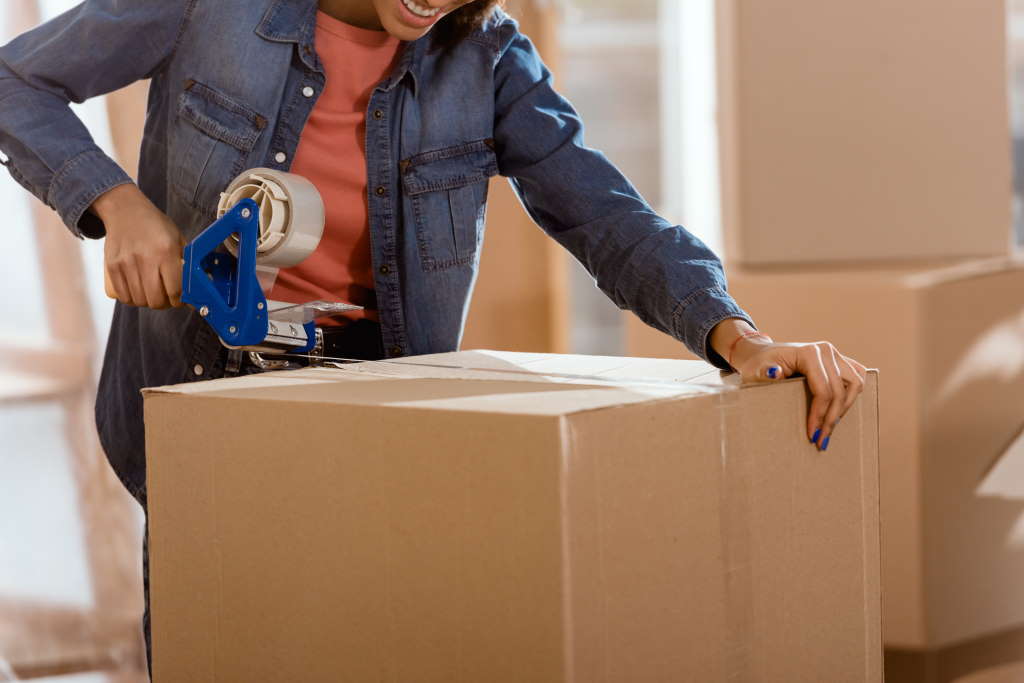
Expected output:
(291, 214)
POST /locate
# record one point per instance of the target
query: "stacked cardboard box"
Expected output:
(1009, 673)
(866, 197)
(488, 516)
(852, 132)
(949, 342)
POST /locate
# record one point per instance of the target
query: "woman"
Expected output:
(398, 111)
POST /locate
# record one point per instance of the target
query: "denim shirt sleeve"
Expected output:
(92, 49)
(643, 263)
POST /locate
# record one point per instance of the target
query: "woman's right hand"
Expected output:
(142, 250)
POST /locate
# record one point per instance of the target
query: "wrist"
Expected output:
(747, 345)
(735, 340)
(116, 201)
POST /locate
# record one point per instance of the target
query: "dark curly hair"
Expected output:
(451, 30)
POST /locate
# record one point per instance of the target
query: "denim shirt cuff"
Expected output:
(697, 315)
(78, 183)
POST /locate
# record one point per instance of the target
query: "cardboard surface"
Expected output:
(855, 131)
(955, 664)
(539, 519)
(949, 341)
(1008, 673)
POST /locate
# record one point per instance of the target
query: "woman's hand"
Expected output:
(142, 253)
(834, 379)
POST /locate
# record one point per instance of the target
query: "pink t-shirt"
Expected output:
(332, 155)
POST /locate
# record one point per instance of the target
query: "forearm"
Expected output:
(667, 276)
(657, 270)
(67, 171)
(49, 150)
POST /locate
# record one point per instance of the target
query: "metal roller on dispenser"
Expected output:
(267, 220)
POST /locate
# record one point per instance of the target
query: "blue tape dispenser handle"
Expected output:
(222, 287)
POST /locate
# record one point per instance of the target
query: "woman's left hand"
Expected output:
(835, 380)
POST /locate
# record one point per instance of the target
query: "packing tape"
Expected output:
(291, 215)
(735, 480)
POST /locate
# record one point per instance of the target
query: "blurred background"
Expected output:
(843, 149)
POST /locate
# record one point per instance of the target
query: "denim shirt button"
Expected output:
(378, 114)
(396, 350)
(308, 91)
(381, 191)
(198, 370)
(280, 157)
(384, 270)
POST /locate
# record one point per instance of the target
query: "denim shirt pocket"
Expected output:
(213, 138)
(448, 191)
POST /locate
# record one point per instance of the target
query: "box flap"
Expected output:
(587, 367)
(477, 381)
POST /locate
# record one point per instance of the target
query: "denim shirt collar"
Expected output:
(294, 21)
(408, 63)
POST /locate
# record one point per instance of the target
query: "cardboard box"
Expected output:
(949, 342)
(957, 663)
(851, 131)
(1008, 673)
(412, 521)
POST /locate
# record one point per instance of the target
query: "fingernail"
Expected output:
(814, 439)
(824, 445)
(773, 372)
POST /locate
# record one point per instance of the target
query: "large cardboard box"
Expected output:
(1008, 673)
(949, 342)
(864, 131)
(413, 521)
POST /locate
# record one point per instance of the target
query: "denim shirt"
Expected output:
(230, 90)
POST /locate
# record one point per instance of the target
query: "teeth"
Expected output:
(420, 10)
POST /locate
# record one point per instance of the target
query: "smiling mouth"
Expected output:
(420, 10)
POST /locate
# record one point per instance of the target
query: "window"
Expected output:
(1016, 55)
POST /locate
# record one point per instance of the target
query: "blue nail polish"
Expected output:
(773, 372)
(824, 445)
(814, 439)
